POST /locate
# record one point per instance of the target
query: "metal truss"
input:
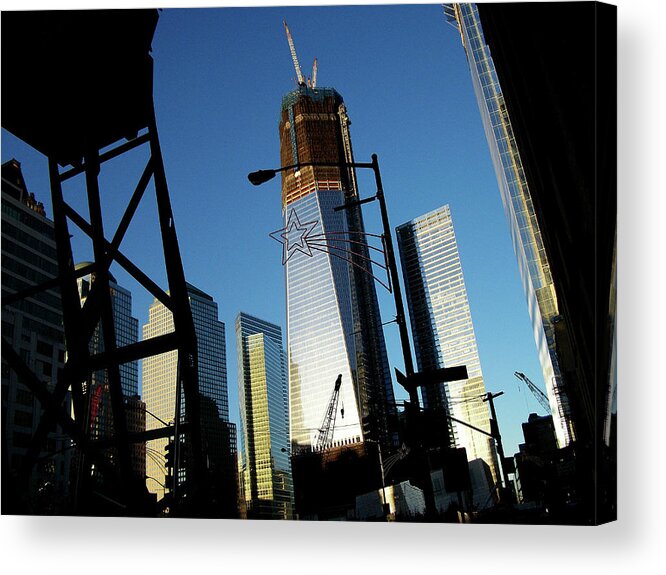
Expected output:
(81, 321)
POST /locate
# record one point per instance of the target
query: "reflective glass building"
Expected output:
(125, 325)
(159, 375)
(264, 413)
(525, 234)
(442, 327)
(333, 321)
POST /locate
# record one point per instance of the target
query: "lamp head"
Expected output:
(260, 176)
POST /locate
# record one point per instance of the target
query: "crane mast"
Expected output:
(328, 424)
(540, 395)
(292, 49)
(313, 85)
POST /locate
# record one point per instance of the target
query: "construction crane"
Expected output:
(540, 395)
(328, 424)
(292, 49)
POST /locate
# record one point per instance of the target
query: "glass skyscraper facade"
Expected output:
(442, 327)
(159, 375)
(125, 326)
(519, 210)
(333, 321)
(264, 413)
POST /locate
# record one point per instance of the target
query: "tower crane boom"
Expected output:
(328, 424)
(292, 49)
(540, 395)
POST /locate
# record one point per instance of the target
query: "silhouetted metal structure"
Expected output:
(78, 88)
(536, 392)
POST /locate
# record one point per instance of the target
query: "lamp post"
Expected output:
(494, 428)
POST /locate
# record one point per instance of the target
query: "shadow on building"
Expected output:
(560, 92)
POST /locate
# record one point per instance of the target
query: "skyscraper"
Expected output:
(126, 328)
(527, 240)
(333, 321)
(33, 328)
(264, 413)
(159, 375)
(442, 327)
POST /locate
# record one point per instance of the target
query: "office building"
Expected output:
(126, 328)
(100, 414)
(159, 376)
(264, 413)
(333, 320)
(546, 475)
(526, 235)
(442, 327)
(33, 328)
(539, 435)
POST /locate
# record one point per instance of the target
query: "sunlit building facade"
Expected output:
(442, 327)
(158, 387)
(333, 321)
(264, 413)
(525, 234)
(159, 375)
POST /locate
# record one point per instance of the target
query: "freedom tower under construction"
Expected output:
(334, 326)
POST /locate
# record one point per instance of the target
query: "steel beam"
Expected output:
(183, 324)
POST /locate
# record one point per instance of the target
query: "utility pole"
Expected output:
(395, 281)
(494, 430)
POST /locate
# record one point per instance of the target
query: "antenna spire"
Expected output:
(299, 74)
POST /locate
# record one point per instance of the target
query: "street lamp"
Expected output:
(495, 434)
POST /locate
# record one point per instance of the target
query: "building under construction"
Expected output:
(333, 321)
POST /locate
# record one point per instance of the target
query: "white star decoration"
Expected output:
(294, 237)
(299, 237)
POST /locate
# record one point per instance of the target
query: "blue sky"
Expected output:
(220, 75)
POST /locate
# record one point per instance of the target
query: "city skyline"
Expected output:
(212, 207)
(200, 208)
